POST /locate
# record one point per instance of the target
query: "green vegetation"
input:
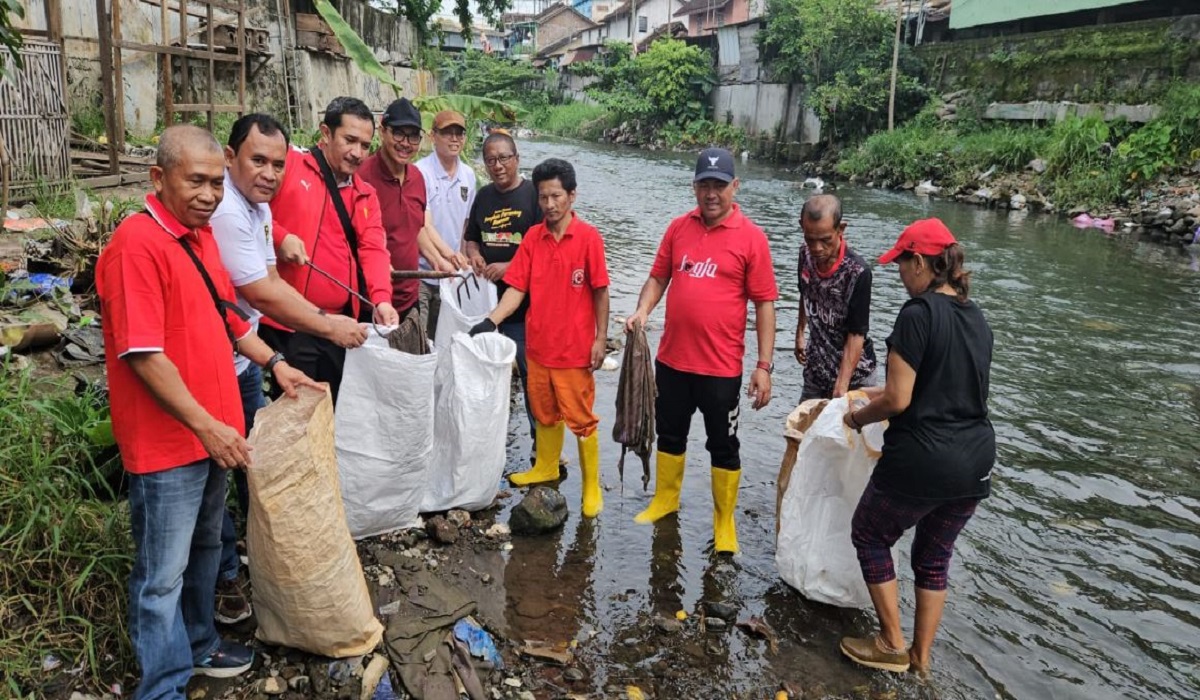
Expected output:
(1087, 162)
(10, 36)
(579, 120)
(837, 49)
(666, 85)
(65, 538)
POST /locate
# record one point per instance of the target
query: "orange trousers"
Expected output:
(563, 395)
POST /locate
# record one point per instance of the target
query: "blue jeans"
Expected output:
(176, 522)
(251, 384)
(515, 331)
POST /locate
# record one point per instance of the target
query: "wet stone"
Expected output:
(271, 686)
(716, 624)
(460, 518)
(442, 530)
(668, 625)
(542, 510)
(300, 684)
(573, 675)
(724, 611)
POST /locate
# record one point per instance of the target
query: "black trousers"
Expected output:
(317, 357)
(680, 394)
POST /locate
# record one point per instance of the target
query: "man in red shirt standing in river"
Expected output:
(714, 259)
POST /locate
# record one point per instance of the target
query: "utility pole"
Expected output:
(895, 66)
(633, 27)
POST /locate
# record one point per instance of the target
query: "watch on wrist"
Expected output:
(768, 367)
(275, 359)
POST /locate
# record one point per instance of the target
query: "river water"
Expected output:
(1079, 578)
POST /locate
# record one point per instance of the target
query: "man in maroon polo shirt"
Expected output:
(401, 190)
(171, 330)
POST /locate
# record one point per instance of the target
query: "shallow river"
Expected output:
(1079, 578)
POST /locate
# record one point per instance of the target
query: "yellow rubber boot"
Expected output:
(668, 482)
(589, 467)
(545, 465)
(724, 493)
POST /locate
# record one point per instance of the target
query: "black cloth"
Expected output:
(719, 401)
(498, 222)
(942, 447)
(836, 305)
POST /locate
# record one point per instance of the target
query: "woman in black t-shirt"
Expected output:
(938, 449)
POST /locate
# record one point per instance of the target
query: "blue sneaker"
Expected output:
(229, 660)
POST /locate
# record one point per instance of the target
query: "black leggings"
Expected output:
(719, 401)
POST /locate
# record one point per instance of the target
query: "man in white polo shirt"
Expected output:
(450, 191)
(242, 227)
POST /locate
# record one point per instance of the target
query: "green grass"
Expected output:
(571, 119)
(65, 539)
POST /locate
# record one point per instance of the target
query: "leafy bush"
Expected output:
(839, 49)
(667, 84)
(1077, 144)
(1181, 111)
(1148, 151)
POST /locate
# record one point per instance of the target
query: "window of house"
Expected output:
(720, 18)
(643, 24)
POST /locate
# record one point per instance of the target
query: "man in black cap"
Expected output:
(401, 189)
(714, 259)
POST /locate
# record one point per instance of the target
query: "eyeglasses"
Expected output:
(413, 137)
(453, 134)
(502, 160)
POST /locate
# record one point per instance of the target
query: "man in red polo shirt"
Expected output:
(171, 329)
(560, 265)
(307, 227)
(407, 220)
(714, 259)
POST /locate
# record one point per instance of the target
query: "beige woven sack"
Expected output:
(308, 587)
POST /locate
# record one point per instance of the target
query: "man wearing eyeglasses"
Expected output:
(450, 191)
(401, 190)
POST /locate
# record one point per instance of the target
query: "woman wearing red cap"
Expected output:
(938, 449)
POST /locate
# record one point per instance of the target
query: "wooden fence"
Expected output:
(33, 119)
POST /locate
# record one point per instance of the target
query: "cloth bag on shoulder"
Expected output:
(465, 302)
(470, 423)
(833, 464)
(309, 589)
(384, 435)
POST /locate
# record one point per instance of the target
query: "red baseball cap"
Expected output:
(927, 237)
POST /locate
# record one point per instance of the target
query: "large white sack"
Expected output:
(465, 302)
(833, 464)
(470, 425)
(384, 435)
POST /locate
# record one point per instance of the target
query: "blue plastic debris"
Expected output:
(46, 284)
(384, 691)
(478, 641)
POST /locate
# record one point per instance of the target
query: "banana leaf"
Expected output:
(474, 108)
(355, 47)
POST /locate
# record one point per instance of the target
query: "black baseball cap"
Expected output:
(401, 112)
(714, 164)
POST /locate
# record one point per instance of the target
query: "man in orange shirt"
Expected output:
(171, 329)
(560, 266)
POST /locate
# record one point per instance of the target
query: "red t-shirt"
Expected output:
(559, 277)
(712, 274)
(404, 207)
(153, 299)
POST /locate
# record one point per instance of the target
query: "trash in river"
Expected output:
(758, 627)
(384, 690)
(610, 364)
(33, 224)
(33, 327)
(634, 424)
(1085, 221)
(634, 693)
(558, 653)
(81, 347)
(478, 641)
(373, 675)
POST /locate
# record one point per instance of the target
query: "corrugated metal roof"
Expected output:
(973, 13)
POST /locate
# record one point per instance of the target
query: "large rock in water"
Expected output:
(542, 510)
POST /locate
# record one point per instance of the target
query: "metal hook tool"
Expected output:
(346, 287)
